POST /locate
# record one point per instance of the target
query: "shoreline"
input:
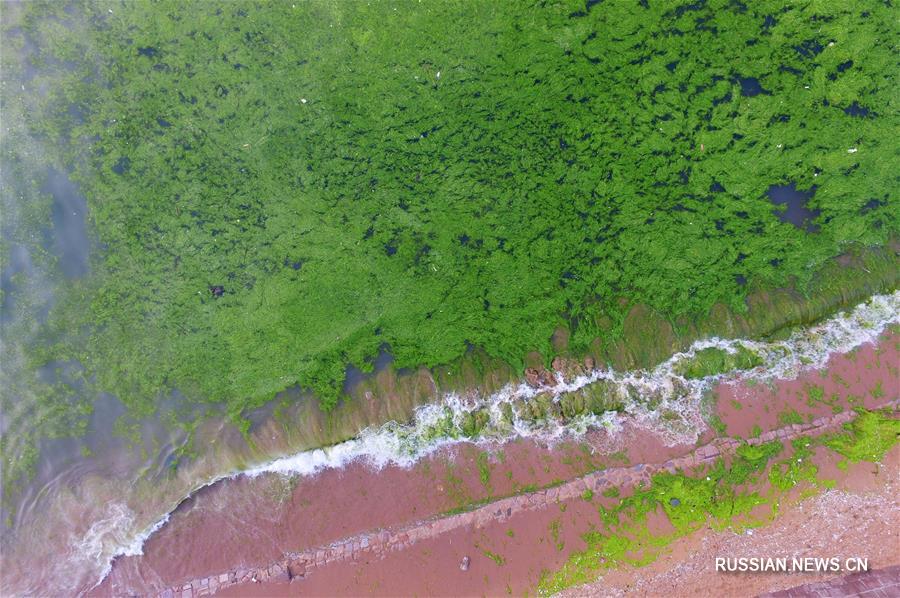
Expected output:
(646, 341)
(426, 483)
(651, 418)
(380, 542)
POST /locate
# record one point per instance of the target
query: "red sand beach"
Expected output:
(249, 528)
(862, 517)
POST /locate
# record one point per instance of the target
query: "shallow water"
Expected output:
(19, 264)
(353, 375)
(794, 208)
(68, 236)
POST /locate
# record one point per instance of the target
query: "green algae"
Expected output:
(713, 360)
(554, 529)
(474, 423)
(720, 496)
(498, 559)
(798, 468)
(815, 395)
(866, 438)
(444, 427)
(596, 398)
(484, 471)
(715, 422)
(789, 417)
(611, 492)
(310, 160)
(456, 490)
(714, 498)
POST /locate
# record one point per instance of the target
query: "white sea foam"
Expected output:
(660, 400)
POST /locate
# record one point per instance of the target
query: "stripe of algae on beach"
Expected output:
(721, 497)
(276, 190)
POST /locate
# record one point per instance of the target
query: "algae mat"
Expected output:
(277, 190)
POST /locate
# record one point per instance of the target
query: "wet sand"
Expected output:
(247, 521)
(251, 522)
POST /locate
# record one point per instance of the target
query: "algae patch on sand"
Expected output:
(721, 496)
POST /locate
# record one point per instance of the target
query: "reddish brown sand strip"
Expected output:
(862, 518)
(378, 544)
(882, 583)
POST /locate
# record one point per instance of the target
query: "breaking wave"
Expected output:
(662, 400)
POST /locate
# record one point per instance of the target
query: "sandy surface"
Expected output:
(860, 518)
